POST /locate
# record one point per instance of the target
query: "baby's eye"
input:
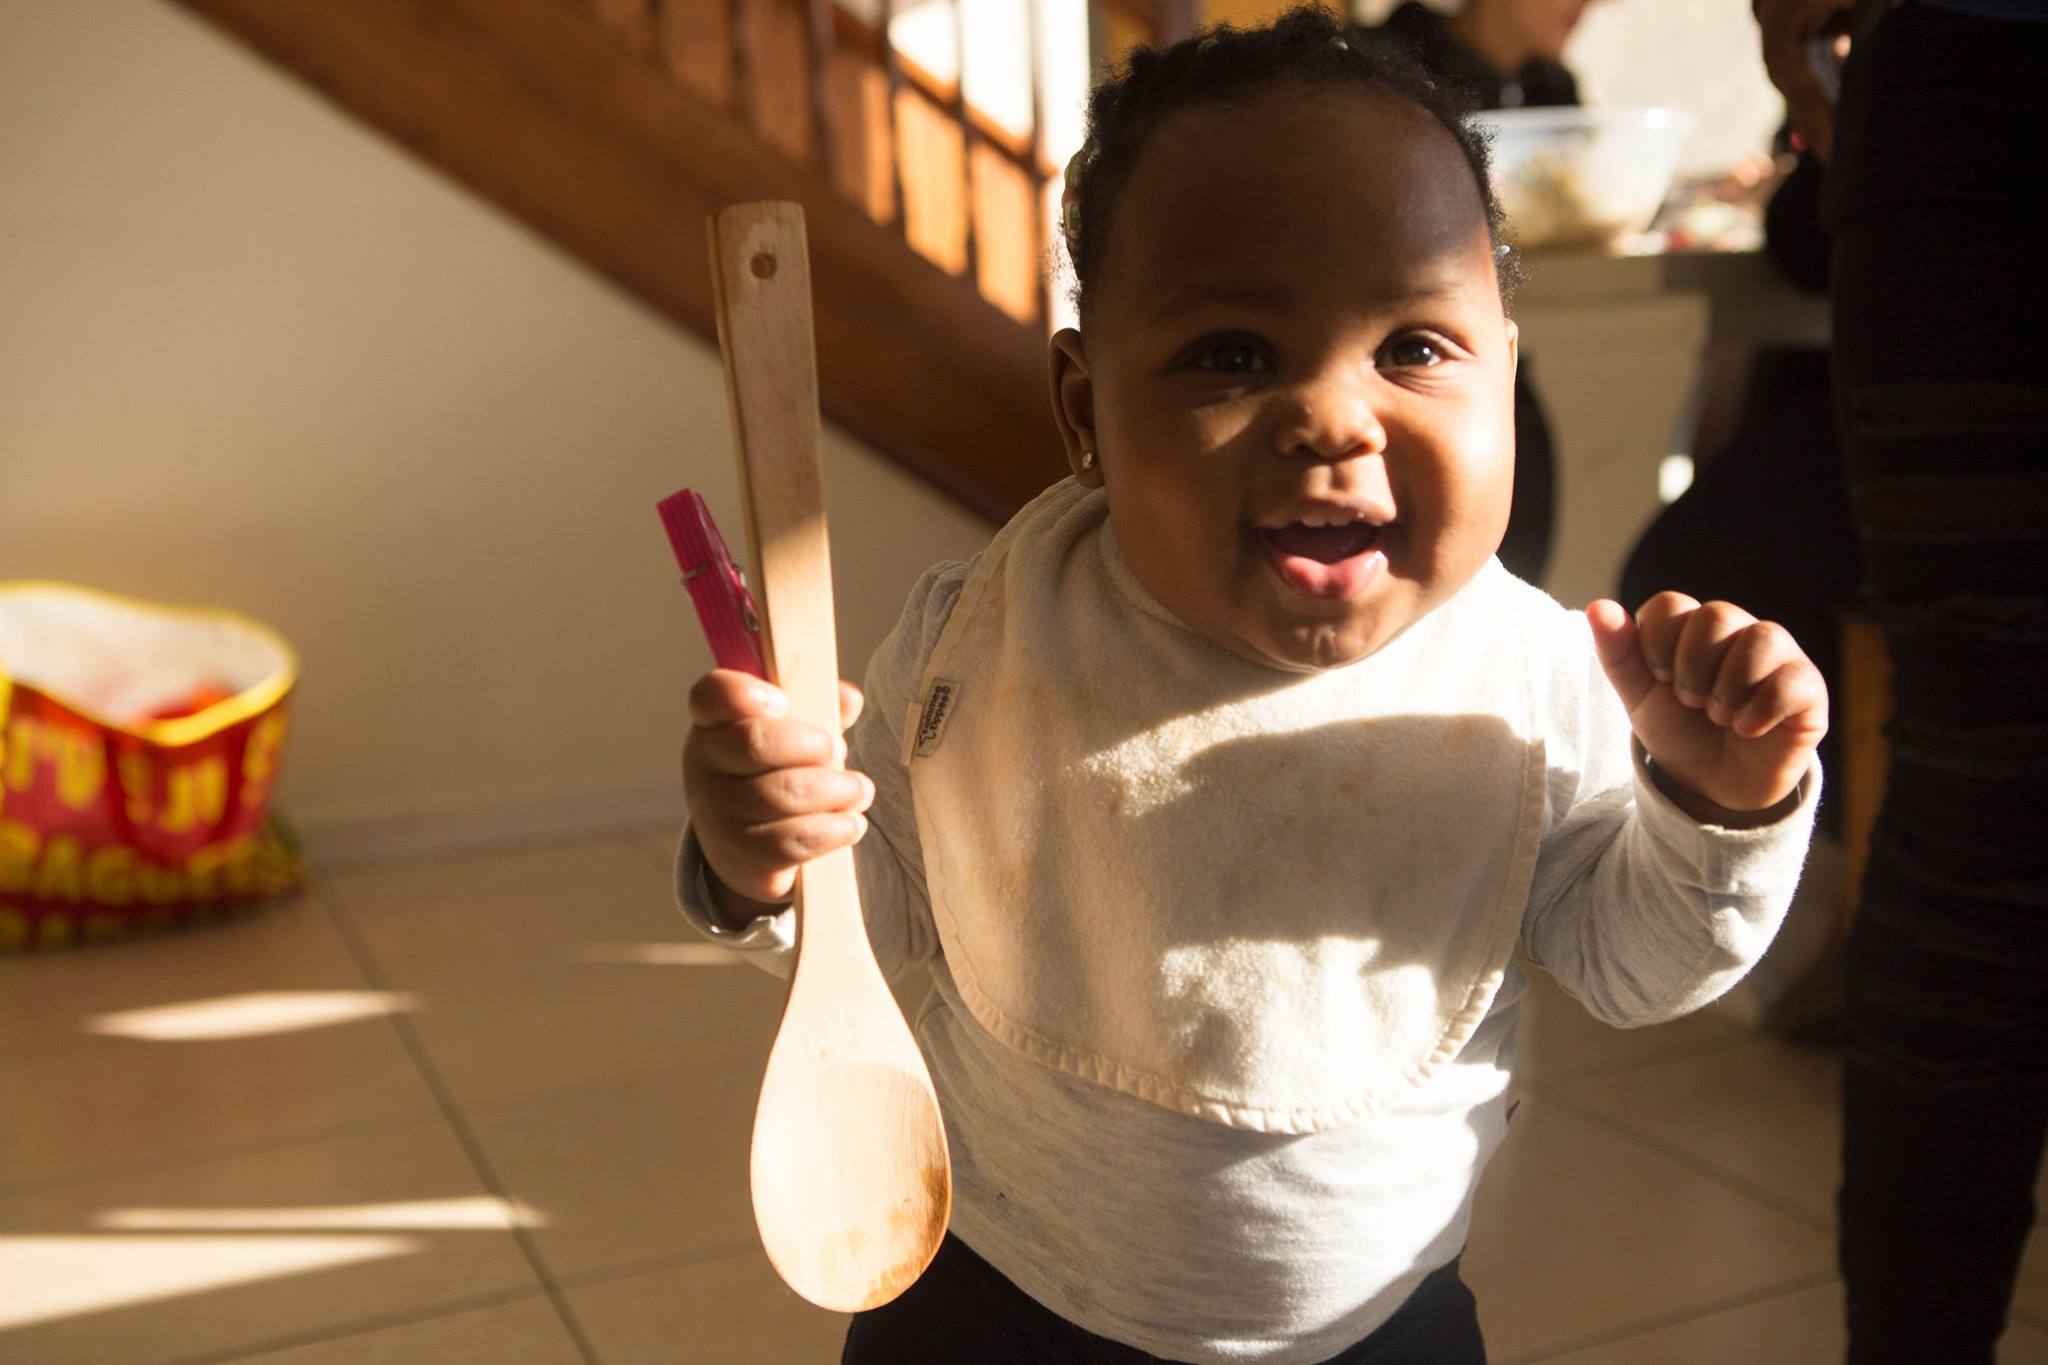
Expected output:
(1412, 350)
(1229, 356)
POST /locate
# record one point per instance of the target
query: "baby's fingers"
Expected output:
(788, 792)
(1749, 656)
(1792, 699)
(725, 696)
(749, 748)
(1701, 648)
(799, 840)
(760, 862)
(1658, 623)
(1616, 639)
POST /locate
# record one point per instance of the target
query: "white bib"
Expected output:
(1269, 900)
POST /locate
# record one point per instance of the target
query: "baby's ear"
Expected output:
(1514, 347)
(1073, 405)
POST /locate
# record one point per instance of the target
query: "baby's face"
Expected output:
(1298, 374)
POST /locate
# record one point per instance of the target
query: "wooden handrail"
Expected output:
(534, 107)
(830, 29)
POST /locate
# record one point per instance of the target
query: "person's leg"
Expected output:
(963, 1309)
(1937, 200)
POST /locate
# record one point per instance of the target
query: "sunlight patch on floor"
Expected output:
(51, 1278)
(251, 1015)
(478, 1211)
(660, 954)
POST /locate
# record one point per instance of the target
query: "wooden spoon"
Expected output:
(852, 1184)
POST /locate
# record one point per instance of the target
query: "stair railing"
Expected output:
(870, 93)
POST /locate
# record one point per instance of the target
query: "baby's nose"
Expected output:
(1332, 421)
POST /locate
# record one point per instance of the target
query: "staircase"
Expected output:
(615, 127)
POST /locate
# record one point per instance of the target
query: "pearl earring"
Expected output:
(1087, 459)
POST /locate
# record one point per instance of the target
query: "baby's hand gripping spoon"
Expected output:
(852, 1185)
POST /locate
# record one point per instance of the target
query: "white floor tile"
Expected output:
(1577, 1233)
(95, 1105)
(1800, 1328)
(529, 1332)
(633, 1176)
(512, 1038)
(289, 946)
(732, 1310)
(237, 1252)
(1766, 1112)
(462, 923)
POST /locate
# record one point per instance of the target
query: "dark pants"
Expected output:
(963, 1310)
(1938, 202)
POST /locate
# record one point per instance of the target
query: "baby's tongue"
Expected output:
(1325, 544)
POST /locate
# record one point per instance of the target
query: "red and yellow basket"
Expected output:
(139, 745)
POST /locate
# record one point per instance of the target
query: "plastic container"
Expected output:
(139, 746)
(1582, 177)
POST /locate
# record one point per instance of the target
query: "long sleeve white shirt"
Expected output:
(1206, 1242)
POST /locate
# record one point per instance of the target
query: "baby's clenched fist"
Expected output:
(1729, 707)
(766, 793)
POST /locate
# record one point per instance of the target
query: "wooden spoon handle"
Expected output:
(761, 275)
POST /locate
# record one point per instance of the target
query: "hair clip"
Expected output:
(1207, 45)
(1338, 41)
(1070, 196)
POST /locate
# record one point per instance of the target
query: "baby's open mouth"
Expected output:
(1324, 544)
(1327, 561)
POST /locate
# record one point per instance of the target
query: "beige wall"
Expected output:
(1697, 55)
(250, 355)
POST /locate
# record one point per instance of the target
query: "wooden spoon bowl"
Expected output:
(852, 1185)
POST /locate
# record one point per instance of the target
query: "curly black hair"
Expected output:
(1305, 47)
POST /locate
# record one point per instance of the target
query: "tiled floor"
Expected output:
(495, 1112)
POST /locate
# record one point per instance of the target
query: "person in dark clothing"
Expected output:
(1936, 190)
(1504, 53)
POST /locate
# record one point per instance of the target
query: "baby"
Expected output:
(1220, 790)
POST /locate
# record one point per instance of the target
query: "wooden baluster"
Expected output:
(1037, 172)
(742, 76)
(860, 135)
(968, 139)
(934, 178)
(823, 146)
(892, 71)
(693, 44)
(778, 97)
